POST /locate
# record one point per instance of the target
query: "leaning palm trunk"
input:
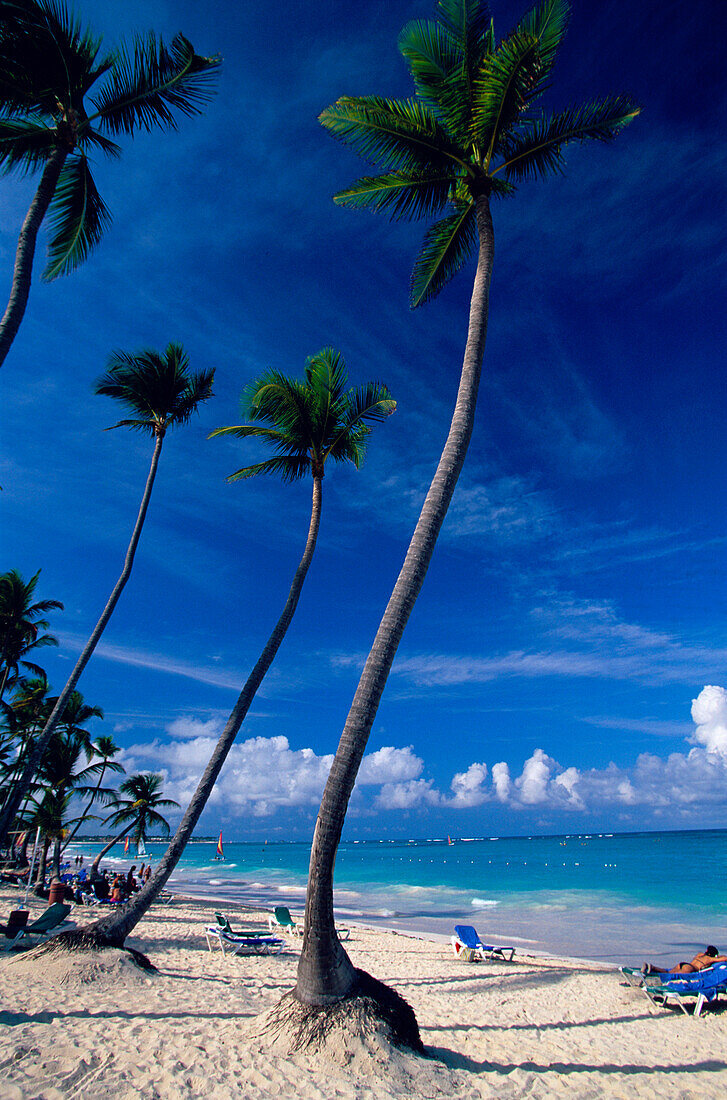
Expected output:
(114, 929)
(325, 973)
(34, 758)
(25, 253)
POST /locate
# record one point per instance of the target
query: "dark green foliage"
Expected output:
(158, 388)
(48, 65)
(307, 422)
(472, 129)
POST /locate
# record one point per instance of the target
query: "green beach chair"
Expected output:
(283, 922)
(47, 923)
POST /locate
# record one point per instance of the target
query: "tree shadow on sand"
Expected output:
(454, 1060)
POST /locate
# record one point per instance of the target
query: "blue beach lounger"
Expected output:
(705, 985)
(467, 945)
(243, 943)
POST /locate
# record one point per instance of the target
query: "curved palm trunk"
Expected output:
(57, 858)
(40, 877)
(25, 253)
(34, 758)
(115, 928)
(97, 861)
(325, 972)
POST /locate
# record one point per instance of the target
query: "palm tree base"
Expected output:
(371, 1011)
(85, 941)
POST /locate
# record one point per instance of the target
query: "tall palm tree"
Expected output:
(161, 393)
(105, 748)
(470, 132)
(307, 424)
(21, 623)
(49, 120)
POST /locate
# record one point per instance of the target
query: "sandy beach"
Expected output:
(535, 1027)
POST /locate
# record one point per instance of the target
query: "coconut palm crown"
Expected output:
(472, 128)
(156, 387)
(21, 623)
(63, 99)
(307, 422)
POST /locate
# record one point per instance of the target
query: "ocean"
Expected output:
(619, 898)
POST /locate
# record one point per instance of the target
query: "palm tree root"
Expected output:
(87, 940)
(371, 1008)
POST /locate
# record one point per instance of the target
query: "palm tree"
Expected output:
(60, 779)
(469, 133)
(25, 716)
(140, 810)
(105, 748)
(21, 623)
(307, 424)
(48, 66)
(161, 392)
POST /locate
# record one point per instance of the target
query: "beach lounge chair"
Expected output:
(49, 922)
(283, 921)
(242, 943)
(680, 989)
(467, 945)
(224, 925)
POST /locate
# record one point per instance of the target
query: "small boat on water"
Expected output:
(220, 854)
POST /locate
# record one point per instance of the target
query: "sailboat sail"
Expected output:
(140, 849)
(220, 850)
(126, 846)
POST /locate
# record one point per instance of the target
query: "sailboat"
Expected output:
(140, 849)
(126, 846)
(220, 851)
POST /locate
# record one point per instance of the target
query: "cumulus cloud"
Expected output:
(709, 711)
(262, 774)
(468, 787)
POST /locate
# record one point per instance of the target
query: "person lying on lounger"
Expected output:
(705, 958)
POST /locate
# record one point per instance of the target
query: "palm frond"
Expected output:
(45, 56)
(536, 150)
(148, 86)
(547, 23)
(288, 467)
(507, 82)
(158, 387)
(400, 194)
(468, 25)
(78, 218)
(446, 246)
(25, 144)
(396, 134)
(431, 55)
(89, 136)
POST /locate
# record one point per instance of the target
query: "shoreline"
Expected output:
(539, 1027)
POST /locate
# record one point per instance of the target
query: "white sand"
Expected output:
(533, 1027)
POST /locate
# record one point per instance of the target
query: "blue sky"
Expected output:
(576, 603)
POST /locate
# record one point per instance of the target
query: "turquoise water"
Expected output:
(621, 897)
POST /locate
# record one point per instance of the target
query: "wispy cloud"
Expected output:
(603, 647)
(159, 662)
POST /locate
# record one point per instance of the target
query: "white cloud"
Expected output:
(408, 796)
(389, 765)
(709, 711)
(501, 781)
(262, 774)
(469, 787)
